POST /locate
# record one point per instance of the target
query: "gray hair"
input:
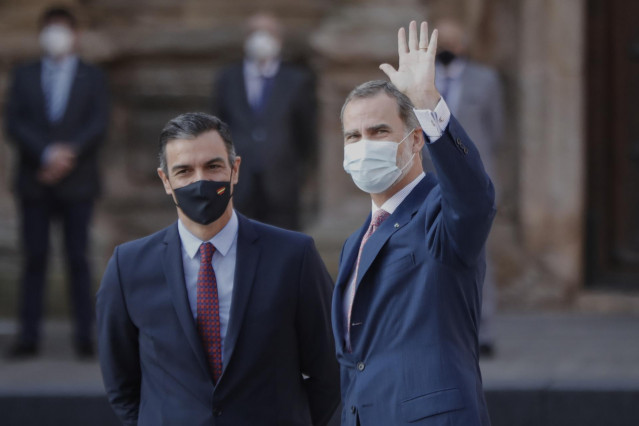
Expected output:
(190, 126)
(372, 88)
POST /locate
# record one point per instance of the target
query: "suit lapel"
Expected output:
(76, 91)
(239, 87)
(247, 259)
(349, 257)
(174, 272)
(39, 98)
(404, 213)
(277, 85)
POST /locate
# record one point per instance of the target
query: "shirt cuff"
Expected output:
(434, 122)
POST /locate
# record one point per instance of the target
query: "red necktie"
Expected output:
(208, 311)
(379, 217)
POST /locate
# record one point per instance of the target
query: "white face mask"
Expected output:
(56, 40)
(373, 164)
(261, 45)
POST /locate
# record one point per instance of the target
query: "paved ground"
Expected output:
(582, 353)
(540, 350)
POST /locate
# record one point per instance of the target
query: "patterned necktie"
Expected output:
(377, 219)
(265, 93)
(208, 311)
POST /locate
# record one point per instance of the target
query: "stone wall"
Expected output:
(161, 56)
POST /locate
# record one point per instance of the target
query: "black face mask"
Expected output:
(446, 57)
(204, 201)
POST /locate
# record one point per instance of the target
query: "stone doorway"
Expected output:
(612, 125)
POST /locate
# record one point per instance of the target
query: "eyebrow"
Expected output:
(185, 166)
(371, 129)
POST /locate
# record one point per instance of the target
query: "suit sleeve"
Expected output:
(118, 346)
(496, 111)
(315, 337)
(93, 129)
(460, 225)
(27, 138)
(305, 122)
(218, 102)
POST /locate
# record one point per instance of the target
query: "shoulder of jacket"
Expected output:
(144, 243)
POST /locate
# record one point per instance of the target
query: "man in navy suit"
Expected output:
(56, 116)
(406, 305)
(271, 108)
(217, 319)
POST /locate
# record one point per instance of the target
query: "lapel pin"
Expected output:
(396, 225)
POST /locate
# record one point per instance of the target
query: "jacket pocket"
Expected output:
(431, 404)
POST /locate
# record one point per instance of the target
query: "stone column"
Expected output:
(551, 191)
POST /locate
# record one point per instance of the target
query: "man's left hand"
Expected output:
(415, 76)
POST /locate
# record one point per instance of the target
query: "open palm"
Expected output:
(415, 76)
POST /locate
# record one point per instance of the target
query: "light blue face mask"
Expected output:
(373, 164)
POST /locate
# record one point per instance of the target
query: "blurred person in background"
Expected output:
(56, 118)
(216, 319)
(271, 109)
(474, 95)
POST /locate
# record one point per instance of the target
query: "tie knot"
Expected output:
(206, 252)
(378, 217)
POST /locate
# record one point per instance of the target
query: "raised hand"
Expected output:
(415, 76)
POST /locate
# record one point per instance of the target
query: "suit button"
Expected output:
(459, 142)
(361, 366)
(353, 409)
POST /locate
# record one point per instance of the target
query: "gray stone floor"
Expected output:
(535, 353)
(533, 350)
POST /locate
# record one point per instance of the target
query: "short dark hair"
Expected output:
(190, 126)
(372, 88)
(57, 13)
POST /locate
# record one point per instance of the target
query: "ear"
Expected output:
(165, 182)
(236, 170)
(418, 139)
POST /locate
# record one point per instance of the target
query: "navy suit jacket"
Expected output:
(83, 125)
(280, 142)
(417, 306)
(153, 363)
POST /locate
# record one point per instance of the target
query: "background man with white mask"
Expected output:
(407, 300)
(56, 117)
(271, 109)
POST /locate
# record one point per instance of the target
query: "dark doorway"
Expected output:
(612, 123)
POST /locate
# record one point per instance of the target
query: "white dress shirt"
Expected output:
(434, 123)
(224, 258)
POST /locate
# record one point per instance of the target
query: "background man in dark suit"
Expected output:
(215, 319)
(473, 94)
(56, 116)
(271, 109)
(407, 300)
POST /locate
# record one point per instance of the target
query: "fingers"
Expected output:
(432, 46)
(388, 69)
(416, 40)
(402, 47)
(423, 35)
(412, 36)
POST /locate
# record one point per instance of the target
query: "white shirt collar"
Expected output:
(393, 202)
(222, 240)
